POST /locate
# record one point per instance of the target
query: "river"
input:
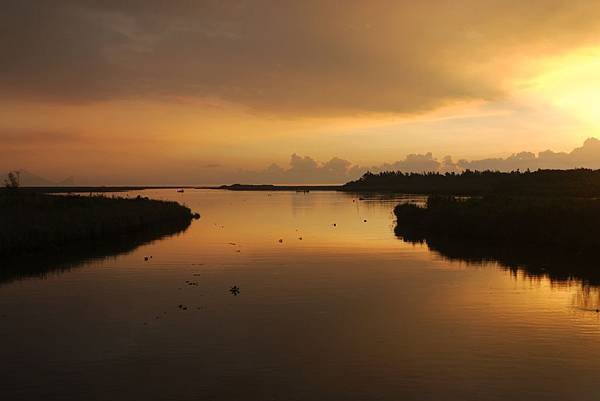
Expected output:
(331, 306)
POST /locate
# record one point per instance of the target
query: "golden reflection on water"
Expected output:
(587, 298)
(347, 312)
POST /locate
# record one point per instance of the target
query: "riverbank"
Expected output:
(32, 222)
(96, 189)
(569, 224)
(560, 183)
(269, 187)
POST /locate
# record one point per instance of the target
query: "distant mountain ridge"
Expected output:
(28, 179)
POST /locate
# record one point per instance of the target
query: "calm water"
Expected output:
(349, 312)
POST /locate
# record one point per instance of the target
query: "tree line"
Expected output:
(574, 182)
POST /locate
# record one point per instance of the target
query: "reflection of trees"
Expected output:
(556, 264)
(587, 298)
(523, 262)
(43, 263)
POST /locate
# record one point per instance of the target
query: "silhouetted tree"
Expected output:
(13, 180)
(574, 182)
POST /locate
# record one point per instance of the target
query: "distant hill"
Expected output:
(28, 179)
(67, 182)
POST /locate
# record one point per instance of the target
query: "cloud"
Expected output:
(587, 156)
(302, 169)
(306, 170)
(412, 162)
(306, 57)
(36, 137)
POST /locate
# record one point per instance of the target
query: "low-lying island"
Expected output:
(571, 224)
(31, 222)
(555, 236)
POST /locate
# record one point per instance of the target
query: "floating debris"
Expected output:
(365, 220)
(335, 225)
(235, 290)
(300, 238)
(281, 241)
(146, 258)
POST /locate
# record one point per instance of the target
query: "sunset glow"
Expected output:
(165, 92)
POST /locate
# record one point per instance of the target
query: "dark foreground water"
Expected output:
(348, 312)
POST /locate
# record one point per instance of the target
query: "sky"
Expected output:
(205, 92)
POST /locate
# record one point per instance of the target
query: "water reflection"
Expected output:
(347, 313)
(41, 264)
(523, 262)
(587, 299)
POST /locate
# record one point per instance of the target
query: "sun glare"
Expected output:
(572, 84)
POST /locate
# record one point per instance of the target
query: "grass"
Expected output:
(571, 224)
(32, 222)
(557, 237)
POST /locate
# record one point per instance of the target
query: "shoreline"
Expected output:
(95, 189)
(558, 237)
(32, 222)
(569, 224)
(271, 187)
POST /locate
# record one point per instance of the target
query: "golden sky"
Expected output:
(187, 91)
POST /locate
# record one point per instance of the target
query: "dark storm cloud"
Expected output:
(314, 57)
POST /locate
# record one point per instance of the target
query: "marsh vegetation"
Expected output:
(558, 236)
(32, 222)
(574, 182)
